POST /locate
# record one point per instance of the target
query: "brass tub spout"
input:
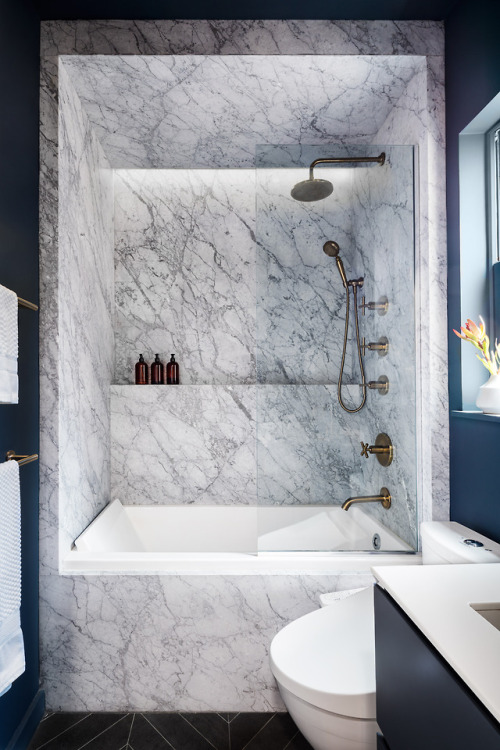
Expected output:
(384, 498)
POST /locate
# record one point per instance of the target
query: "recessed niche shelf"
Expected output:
(232, 385)
(456, 414)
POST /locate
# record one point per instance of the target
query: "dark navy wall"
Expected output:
(472, 80)
(21, 707)
(246, 9)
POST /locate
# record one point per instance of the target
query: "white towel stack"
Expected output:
(9, 387)
(12, 662)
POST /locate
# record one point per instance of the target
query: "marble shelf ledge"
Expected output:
(478, 415)
(232, 385)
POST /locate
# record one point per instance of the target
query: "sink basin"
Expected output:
(490, 611)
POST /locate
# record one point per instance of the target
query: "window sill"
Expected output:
(475, 415)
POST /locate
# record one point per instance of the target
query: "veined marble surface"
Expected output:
(89, 625)
(210, 111)
(264, 37)
(86, 284)
(183, 444)
(419, 118)
(185, 272)
(165, 643)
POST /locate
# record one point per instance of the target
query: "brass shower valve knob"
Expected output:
(381, 306)
(383, 449)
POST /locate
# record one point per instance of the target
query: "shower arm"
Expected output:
(380, 159)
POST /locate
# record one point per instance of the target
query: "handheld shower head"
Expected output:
(332, 249)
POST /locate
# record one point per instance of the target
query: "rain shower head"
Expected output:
(311, 190)
(314, 189)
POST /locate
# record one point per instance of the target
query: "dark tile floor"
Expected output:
(168, 731)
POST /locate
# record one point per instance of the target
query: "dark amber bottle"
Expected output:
(172, 372)
(157, 377)
(141, 372)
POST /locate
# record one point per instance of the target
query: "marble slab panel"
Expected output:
(164, 643)
(97, 635)
(86, 295)
(183, 444)
(418, 118)
(204, 111)
(256, 37)
(185, 272)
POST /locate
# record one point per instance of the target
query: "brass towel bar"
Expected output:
(21, 460)
(24, 303)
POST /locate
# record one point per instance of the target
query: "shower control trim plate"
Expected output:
(381, 385)
(383, 449)
(381, 306)
(381, 346)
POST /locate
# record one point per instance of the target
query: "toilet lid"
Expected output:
(327, 657)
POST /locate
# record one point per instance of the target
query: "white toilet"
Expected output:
(324, 662)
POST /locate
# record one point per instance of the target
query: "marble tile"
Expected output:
(200, 111)
(185, 272)
(120, 642)
(418, 118)
(169, 643)
(86, 296)
(185, 444)
(264, 37)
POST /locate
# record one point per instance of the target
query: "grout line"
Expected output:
(122, 718)
(193, 727)
(234, 717)
(260, 730)
(130, 731)
(158, 732)
(38, 747)
(291, 740)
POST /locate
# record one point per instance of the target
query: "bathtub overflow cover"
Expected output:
(376, 541)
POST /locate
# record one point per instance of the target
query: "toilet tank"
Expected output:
(448, 542)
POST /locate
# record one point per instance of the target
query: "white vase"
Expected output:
(488, 399)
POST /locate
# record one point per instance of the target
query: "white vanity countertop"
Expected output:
(437, 598)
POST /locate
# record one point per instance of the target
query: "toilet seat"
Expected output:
(327, 657)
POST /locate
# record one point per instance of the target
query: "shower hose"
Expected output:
(360, 357)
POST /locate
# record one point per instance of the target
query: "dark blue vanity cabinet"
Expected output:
(422, 704)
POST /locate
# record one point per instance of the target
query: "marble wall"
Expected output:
(141, 630)
(170, 643)
(418, 118)
(86, 304)
(185, 272)
(203, 111)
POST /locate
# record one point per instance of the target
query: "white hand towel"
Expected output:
(11, 638)
(9, 386)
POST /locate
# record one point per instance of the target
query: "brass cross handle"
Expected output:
(364, 449)
(383, 449)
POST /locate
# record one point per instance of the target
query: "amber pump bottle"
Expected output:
(157, 372)
(141, 372)
(172, 371)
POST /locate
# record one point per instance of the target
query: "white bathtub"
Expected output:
(165, 539)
